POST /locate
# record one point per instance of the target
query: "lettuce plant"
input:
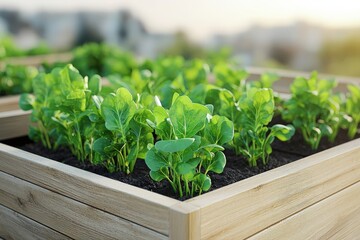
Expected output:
(62, 101)
(250, 114)
(314, 109)
(189, 146)
(128, 133)
(43, 103)
(17, 79)
(253, 137)
(231, 79)
(353, 109)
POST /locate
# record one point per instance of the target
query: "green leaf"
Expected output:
(155, 160)
(171, 146)
(117, 110)
(157, 176)
(282, 132)
(95, 84)
(26, 101)
(218, 163)
(220, 130)
(188, 166)
(186, 117)
(101, 144)
(203, 181)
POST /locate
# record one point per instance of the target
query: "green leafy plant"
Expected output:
(102, 59)
(253, 138)
(71, 115)
(230, 78)
(314, 109)
(17, 79)
(43, 102)
(353, 109)
(251, 115)
(8, 48)
(61, 102)
(128, 133)
(190, 146)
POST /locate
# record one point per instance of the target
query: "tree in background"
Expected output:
(341, 57)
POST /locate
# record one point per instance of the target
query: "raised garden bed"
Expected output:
(315, 197)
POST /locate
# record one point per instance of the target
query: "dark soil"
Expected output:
(236, 168)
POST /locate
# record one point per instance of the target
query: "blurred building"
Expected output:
(295, 46)
(62, 31)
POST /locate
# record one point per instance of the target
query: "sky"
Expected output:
(202, 18)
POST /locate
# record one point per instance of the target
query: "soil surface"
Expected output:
(236, 167)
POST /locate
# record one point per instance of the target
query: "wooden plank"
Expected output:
(16, 226)
(14, 124)
(336, 217)
(287, 77)
(65, 215)
(37, 60)
(242, 209)
(103, 193)
(185, 222)
(9, 103)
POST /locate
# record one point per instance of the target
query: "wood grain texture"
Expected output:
(14, 225)
(185, 222)
(65, 215)
(242, 209)
(9, 103)
(137, 205)
(336, 217)
(13, 124)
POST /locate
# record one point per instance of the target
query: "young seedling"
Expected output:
(253, 137)
(128, 132)
(314, 109)
(190, 146)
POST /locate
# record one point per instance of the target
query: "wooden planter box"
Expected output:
(317, 197)
(312, 198)
(13, 121)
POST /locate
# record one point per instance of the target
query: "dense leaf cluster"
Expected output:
(179, 116)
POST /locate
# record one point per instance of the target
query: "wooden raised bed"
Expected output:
(316, 197)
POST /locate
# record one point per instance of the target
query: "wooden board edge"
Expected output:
(327, 219)
(274, 174)
(65, 215)
(270, 199)
(118, 198)
(185, 221)
(14, 225)
(14, 124)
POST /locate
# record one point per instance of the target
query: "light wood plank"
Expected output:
(185, 222)
(8, 103)
(287, 77)
(242, 209)
(65, 215)
(37, 60)
(106, 194)
(14, 124)
(336, 217)
(16, 226)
